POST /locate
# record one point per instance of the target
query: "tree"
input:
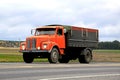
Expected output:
(116, 44)
(109, 45)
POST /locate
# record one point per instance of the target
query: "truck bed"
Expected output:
(83, 37)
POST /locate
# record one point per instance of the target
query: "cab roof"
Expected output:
(55, 26)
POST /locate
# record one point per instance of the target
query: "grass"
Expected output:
(13, 55)
(10, 58)
(6, 50)
(106, 55)
(107, 51)
(16, 58)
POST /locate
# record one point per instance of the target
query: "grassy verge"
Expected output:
(13, 55)
(16, 58)
(10, 58)
(107, 51)
(106, 55)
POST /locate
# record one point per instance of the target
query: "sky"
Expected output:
(18, 17)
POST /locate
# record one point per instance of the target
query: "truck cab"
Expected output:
(43, 42)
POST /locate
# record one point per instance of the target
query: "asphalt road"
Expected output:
(37, 71)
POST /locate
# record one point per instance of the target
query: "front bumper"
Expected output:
(34, 51)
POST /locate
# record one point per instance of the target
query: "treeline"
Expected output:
(109, 45)
(9, 43)
(101, 45)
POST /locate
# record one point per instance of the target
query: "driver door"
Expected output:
(60, 38)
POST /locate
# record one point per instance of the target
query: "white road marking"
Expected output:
(75, 77)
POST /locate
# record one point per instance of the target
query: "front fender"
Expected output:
(53, 44)
(50, 46)
(61, 51)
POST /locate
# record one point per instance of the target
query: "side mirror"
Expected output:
(65, 30)
(32, 31)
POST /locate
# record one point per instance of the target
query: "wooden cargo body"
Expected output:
(82, 37)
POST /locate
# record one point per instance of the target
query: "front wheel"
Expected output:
(86, 57)
(53, 56)
(28, 57)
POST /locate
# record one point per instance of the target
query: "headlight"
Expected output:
(23, 47)
(45, 46)
(38, 48)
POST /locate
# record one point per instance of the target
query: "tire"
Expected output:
(64, 59)
(86, 57)
(54, 55)
(28, 57)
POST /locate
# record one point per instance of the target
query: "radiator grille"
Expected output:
(31, 43)
(28, 43)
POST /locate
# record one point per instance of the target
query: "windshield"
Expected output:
(45, 31)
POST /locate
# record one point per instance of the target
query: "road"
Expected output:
(37, 71)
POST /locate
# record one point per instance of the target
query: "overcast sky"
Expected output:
(18, 17)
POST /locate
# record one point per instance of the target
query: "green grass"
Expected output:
(107, 51)
(10, 55)
(13, 55)
(16, 58)
(10, 58)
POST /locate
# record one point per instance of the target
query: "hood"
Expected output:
(41, 37)
(33, 42)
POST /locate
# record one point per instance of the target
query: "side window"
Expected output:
(59, 32)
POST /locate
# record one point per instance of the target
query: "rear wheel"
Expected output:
(86, 56)
(54, 55)
(28, 57)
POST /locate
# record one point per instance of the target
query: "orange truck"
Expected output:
(60, 43)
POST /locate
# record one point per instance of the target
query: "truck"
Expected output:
(60, 43)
